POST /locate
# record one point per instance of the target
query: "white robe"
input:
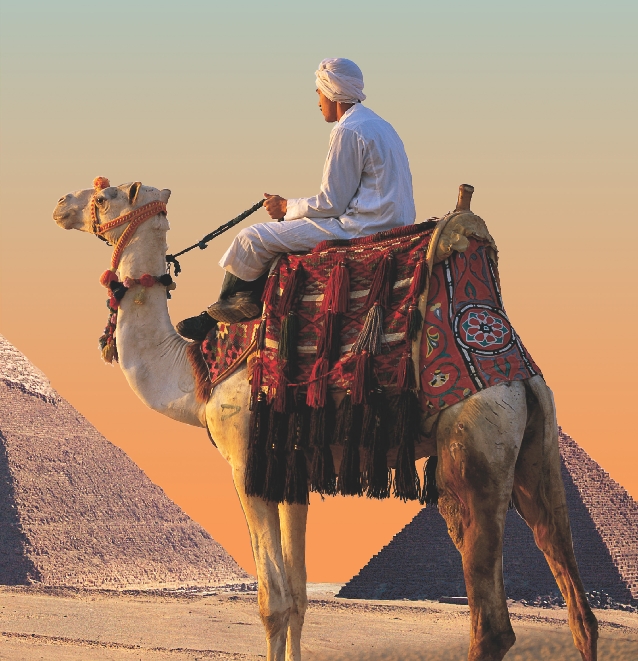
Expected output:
(366, 188)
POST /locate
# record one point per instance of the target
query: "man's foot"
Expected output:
(242, 306)
(196, 328)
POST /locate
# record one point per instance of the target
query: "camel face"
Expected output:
(73, 210)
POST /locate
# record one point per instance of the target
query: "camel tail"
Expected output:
(200, 372)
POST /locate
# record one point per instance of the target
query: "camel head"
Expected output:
(73, 211)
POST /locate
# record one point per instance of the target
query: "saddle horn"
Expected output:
(465, 197)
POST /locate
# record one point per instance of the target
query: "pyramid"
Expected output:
(422, 563)
(76, 511)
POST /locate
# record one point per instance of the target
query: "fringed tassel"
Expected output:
(318, 386)
(261, 334)
(322, 473)
(296, 487)
(289, 295)
(405, 372)
(414, 321)
(371, 336)
(406, 479)
(281, 403)
(382, 282)
(349, 480)
(430, 494)
(378, 477)
(256, 461)
(255, 383)
(362, 379)
(288, 339)
(336, 297)
(270, 290)
(275, 480)
(418, 278)
(329, 343)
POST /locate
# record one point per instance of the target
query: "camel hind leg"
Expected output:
(477, 444)
(539, 496)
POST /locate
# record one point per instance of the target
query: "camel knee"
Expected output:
(275, 621)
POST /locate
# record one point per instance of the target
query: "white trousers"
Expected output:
(254, 248)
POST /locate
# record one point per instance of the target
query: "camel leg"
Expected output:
(477, 444)
(293, 542)
(539, 496)
(273, 595)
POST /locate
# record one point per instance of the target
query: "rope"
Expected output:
(201, 244)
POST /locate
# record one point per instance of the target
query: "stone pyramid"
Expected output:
(76, 511)
(422, 563)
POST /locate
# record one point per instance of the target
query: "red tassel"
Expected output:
(382, 281)
(418, 280)
(318, 387)
(114, 304)
(280, 404)
(255, 384)
(336, 298)
(270, 290)
(107, 277)
(405, 373)
(289, 295)
(328, 335)
(362, 380)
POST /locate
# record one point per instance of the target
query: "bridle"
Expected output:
(134, 219)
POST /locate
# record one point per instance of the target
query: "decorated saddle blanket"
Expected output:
(365, 318)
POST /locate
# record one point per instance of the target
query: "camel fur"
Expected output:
(497, 445)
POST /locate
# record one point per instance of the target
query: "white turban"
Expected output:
(340, 80)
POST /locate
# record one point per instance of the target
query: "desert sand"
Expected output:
(88, 625)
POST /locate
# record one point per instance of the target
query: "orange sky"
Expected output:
(531, 108)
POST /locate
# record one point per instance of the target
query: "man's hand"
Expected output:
(275, 206)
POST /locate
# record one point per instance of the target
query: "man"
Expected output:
(366, 188)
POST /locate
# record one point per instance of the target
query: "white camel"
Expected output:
(498, 444)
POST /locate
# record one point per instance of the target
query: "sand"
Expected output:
(75, 625)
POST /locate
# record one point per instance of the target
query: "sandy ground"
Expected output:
(65, 625)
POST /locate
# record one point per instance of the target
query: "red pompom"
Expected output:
(107, 277)
(114, 304)
(147, 280)
(100, 183)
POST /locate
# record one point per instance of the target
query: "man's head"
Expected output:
(339, 85)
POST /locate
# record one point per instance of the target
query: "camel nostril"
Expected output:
(62, 199)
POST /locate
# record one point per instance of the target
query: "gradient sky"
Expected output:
(535, 106)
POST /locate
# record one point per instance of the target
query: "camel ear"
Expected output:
(164, 195)
(133, 191)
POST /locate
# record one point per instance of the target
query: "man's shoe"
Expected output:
(196, 328)
(242, 306)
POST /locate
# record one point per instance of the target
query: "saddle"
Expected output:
(396, 325)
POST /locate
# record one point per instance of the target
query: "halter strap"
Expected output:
(134, 218)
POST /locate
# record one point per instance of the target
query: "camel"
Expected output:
(497, 445)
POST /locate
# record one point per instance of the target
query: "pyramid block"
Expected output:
(422, 563)
(76, 511)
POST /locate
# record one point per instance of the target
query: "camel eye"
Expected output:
(100, 200)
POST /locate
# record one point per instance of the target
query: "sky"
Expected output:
(533, 104)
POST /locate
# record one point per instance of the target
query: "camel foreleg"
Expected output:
(477, 443)
(293, 542)
(273, 592)
(539, 495)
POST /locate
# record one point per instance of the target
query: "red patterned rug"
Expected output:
(346, 318)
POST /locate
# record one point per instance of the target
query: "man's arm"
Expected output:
(341, 179)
